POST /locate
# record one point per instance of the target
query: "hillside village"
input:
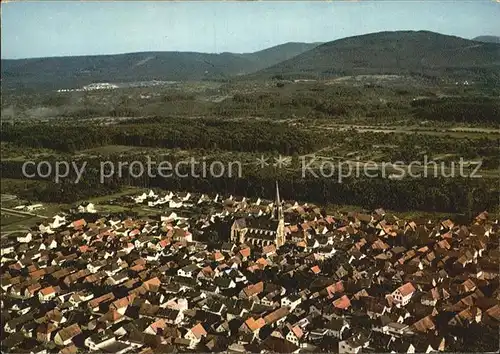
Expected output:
(183, 280)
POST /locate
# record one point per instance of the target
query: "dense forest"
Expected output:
(171, 133)
(458, 109)
(249, 136)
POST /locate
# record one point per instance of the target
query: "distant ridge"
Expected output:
(487, 39)
(75, 71)
(399, 52)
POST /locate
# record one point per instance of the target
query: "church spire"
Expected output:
(278, 206)
(278, 201)
(280, 230)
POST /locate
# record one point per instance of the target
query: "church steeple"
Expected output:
(278, 214)
(278, 207)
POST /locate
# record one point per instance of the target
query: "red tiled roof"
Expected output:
(160, 324)
(316, 269)
(218, 256)
(254, 325)
(297, 331)
(79, 223)
(254, 289)
(69, 332)
(137, 267)
(164, 243)
(245, 252)
(262, 262)
(269, 249)
(342, 302)
(48, 290)
(155, 282)
(301, 244)
(198, 331)
(276, 315)
(106, 297)
(120, 303)
(424, 325)
(406, 289)
(70, 349)
(494, 312)
(338, 287)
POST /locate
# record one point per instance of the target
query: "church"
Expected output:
(261, 231)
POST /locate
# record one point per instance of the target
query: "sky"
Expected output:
(64, 28)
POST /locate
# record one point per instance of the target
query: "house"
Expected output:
(466, 317)
(214, 307)
(17, 323)
(269, 250)
(291, 301)
(78, 297)
(342, 302)
(431, 297)
(121, 304)
(58, 221)
(64, 336)
(44, 332)
(95, 303)
(87, 208)
(78, 224)
(100, 340)
(117, 278)
(252, 290)
(294, 334)
(47, 294)
(45, 228)
(195, 334)
(277, 317)
(96, 265)
(318, 334)
(156, 327)
(401, 346)
(244, 253)
(224, 282)
(170, 316)
(25, 239)
(180, 304)
(316, 269)
(189, 271)
(252, 325)
(424, 325)
(402, 295)
(354, 344)
(396, 328)
(336, 327)
(31, 290)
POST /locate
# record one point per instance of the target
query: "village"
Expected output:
(225, 273)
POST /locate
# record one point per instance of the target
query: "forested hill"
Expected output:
(399, 52)
(71, 72)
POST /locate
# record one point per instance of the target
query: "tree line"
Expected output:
(458, 109)
(454, 195)
(185, 134)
